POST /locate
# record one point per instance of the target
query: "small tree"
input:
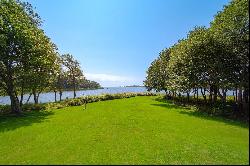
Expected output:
(73, 70)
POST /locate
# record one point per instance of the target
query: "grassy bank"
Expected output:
(139, 130)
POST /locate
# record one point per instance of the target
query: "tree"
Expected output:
(73, 70)
(157, 73)
(201, 61)
(181, 78)
(231, 27)
(58, 79)
(213, 59)
(88, 84)
(24, 48)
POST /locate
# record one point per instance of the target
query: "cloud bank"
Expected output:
(108, 80)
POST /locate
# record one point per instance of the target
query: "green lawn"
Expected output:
(139, 130)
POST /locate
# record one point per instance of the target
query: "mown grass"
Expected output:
(139, 130)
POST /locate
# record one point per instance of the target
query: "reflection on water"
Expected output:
(50, 97)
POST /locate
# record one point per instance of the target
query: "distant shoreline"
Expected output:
(134, 86)
(83, 89)
(65, 90)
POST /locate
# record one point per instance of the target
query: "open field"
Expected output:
(139, 130)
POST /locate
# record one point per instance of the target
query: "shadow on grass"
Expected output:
(171, 106)
(186, 110)
(12, 122)
(206, 116)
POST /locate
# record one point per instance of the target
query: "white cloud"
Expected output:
(107, 80)
(107, 77)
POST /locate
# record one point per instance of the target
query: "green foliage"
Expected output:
(231, 26)
(73, 69)
(29, 61)
(34, 107)
(91, 99)
(55, 105)
(74, 102)
(157, 74)
(181, 78)
(88, 84)
(4, 109)
(214, 59)
(27, 56)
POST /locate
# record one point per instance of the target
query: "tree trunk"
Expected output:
(38, 96)
(211, 94)
(204, 94)
(240, 95)
(215, 93)
(236, 95)
(245, 95)
(60, 93)
(197, 94)
(35, 96)
(15, 105)
(224, 93)
(74, 82)
(194, 92)
(55, 95)
(188, 96)
(28, 98)
(22, 93)
(166, 94)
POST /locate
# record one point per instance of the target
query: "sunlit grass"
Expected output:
(138, 130)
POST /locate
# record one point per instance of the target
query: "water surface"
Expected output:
(50, 96)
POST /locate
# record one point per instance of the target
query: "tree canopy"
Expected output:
(29, 61)
(214, 59)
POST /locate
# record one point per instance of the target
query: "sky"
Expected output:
(115, 41)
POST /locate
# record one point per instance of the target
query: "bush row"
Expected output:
(90, 99)
(75, 102)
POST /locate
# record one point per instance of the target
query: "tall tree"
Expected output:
(61, 79)
(201, 61)
(181, 78)
(157, 75)
(73, 70)
(231, 26)
(24, 48)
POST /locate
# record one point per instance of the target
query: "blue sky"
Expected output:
(116, 40)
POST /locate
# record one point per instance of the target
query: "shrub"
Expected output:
(75, 102)
(33, 107)
(55, 105)
(4, 109)
(110, 97)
